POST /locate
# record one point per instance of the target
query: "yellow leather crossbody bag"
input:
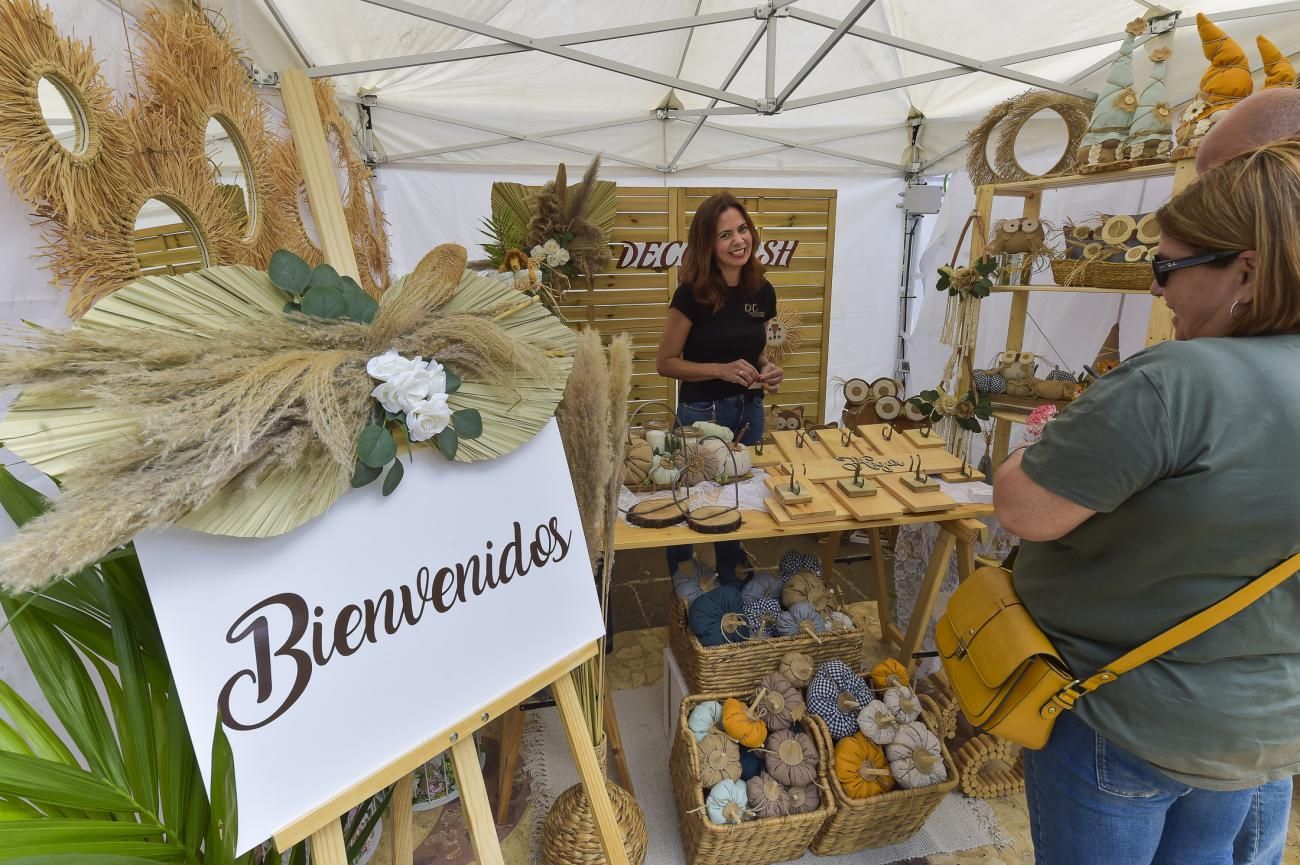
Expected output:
(1010, 680)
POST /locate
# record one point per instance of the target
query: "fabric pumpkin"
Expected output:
(751, 763)
(807, 588)
(915, 757)
(663, 472)
(800, 619)
(761, 585)
(804, 799)
(689, 582)
(903, 703)
(987, 381)
(708, 428)
(767, 796)
(782, 705)
(717, 617)
(797, 668)
(719, 758)
(861, 768)
(888, 669)
(637, 462)
(877, 723)
(704, 717)
(840, 621)
(743, 725)
(728, 802)
(760, 616)
(791, 758)
(793, 561)
(738, 463)
(837, 695)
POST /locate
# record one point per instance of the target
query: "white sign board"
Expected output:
(345, 644)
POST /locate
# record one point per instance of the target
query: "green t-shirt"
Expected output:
(1189, 454)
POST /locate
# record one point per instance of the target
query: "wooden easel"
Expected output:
(322, 825)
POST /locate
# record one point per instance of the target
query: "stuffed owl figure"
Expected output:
(787, 418)
(1015, 365)
(1017, 236)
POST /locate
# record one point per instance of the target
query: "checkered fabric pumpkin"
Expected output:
(1060, 375)
(761, 585)
(832, 680)
(989, 382)
(757, 610)
(794, 561)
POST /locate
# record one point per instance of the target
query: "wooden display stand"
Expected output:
(1010, 410)
(322, 825)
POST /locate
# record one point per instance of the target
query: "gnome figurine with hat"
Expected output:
(1223, 85)
(1100, 146)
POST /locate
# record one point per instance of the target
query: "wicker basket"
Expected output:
(569, 834)
(754, 842)
(737, 666)
(1101, 274)
(881, 821)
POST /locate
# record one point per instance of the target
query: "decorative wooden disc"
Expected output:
(913, 412)
(1148, 229)
(1009, 226)
(1028, 225)
(884, 387)
(714, 519)
(1151, 254)
(656, 513)
(1081, 232)
(1092, 250)
(888, 407)
(856, 391)
(1135, 253)
(1118, 229)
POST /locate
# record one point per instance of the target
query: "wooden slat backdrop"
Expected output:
(635, 300)
(168, 249)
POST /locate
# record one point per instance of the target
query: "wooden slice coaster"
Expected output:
(856, 391)
(884, 387)
(714, 519)
(1118, 229)
(1135, 254)
(1148, 229)
(657, 513)
(888, 407)
(913, 412)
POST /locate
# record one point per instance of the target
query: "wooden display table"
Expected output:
(960, 525)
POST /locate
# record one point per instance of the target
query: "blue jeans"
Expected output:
(1093, 803)
(733, 412)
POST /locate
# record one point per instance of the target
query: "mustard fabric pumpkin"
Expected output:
(791, 758)
(797, 668)
(719, 759)
(782, 704)
(861, 768)
(887, 670)
(804, 799)
(768, 797)
(743, 725)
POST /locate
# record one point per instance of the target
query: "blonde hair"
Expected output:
(1251, 202)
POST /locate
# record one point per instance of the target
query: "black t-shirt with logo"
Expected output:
(737, 331)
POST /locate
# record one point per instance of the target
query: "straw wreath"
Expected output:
(1007, 117)
(197, 400)
(59, 184)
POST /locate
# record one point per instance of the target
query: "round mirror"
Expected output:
(225, 150)
(166, 240)
(1041, 142)
(62, 113)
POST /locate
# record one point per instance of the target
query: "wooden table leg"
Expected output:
(883, 611)
(830, 549)
(614, 736)
(327, 844)
(965, 559)
(512, 732)
(935, 571)
(402, 814)
(474, 803)
(593, 780)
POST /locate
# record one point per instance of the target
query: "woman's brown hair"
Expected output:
(700, 269)
(1249, 202)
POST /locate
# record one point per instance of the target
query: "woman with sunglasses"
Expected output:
(1171, 483)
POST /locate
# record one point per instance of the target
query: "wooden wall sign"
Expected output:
(773, 253)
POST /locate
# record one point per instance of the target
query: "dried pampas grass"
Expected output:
(583, 414)
(195, 399)
(64, 186)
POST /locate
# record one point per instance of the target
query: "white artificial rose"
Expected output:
(551, 246)
(538, 252)
(947, 403)
(429, 418)
(383, 367)
(563, 255)
(437, 378)
(405, 390)
(554, 260)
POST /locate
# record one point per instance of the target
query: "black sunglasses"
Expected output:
(1162, 266)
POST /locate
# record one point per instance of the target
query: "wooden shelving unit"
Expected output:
(1006, 409)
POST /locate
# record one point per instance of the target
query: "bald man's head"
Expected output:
(1262, 118)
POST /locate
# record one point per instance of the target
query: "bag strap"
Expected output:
(1181, 633)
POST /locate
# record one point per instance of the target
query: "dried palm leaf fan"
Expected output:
(197, 400)
(79, 183)
(783, 336)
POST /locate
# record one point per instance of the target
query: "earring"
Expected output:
(1232, 310)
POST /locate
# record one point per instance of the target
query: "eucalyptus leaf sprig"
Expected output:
(973, 281)
(319, 291)
(967, 410)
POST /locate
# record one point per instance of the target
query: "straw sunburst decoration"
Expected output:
(783, 336)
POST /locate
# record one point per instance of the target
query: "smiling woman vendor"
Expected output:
(714, 337)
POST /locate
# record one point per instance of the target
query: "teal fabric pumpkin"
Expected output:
(728, 802)
(704, 717)
(717, 617)
(791, 623)
(761, 585)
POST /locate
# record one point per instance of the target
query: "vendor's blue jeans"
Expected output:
(732, 412)
(1093, 803)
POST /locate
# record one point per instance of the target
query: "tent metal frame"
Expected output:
(772, 101)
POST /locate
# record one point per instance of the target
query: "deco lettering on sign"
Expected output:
(290, 638)
(658, 254)
(888, 466)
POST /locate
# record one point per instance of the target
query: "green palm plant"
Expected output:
(139, 797)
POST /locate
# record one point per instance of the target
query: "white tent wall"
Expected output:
(427, 206)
